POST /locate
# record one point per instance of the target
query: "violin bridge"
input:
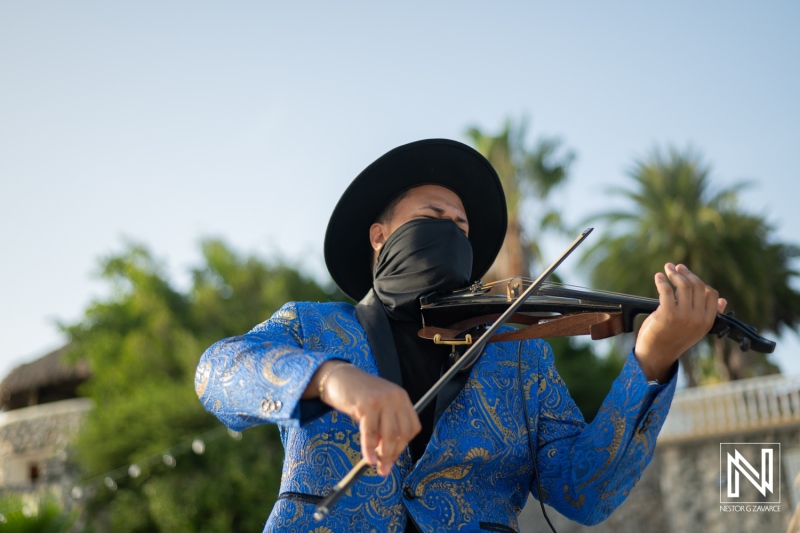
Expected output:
(513, 287)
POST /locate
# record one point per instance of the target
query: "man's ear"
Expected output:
(378, 235)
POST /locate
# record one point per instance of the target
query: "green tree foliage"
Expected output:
(677, 215)
(46, 516)
(528, 175)
(143, 343)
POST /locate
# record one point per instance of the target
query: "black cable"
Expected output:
(530, 440)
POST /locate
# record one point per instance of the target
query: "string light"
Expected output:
(198, 446)
(134, 471)
(167, 457)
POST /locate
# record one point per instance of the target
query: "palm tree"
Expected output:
(677, 216)
(526, 174)
(529, 175)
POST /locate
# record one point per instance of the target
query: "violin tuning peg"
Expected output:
(724, 332)
(744, 344)
(730, 314)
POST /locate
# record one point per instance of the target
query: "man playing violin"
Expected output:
(341, 380)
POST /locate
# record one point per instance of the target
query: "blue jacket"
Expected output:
(476, 472)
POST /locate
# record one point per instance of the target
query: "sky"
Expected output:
(164, 123)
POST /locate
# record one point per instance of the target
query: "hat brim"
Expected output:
(451, 164)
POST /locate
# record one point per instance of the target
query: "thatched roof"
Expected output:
(48, 370)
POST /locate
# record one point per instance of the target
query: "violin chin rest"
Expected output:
(609, 327)
(605, 324)
(598, 325)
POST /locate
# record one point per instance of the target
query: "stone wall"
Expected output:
(34, 440)
(693, 477)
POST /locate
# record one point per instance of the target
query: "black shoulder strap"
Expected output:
(373, 319)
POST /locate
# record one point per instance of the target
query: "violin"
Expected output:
(546, 310)
(553, 310)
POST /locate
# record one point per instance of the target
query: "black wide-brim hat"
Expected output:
(451, 164)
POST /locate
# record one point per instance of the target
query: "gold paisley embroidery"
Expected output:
(341, 441)
(474, 453)
(290, 465)
(378, 508)
(333, 324)
(277, 353)
(453, 473)
(201, 378)
(508, 435)
(575, 503)
(642, 438)
(619, 425)
(286, 315)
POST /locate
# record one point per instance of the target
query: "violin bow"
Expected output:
(324, 506)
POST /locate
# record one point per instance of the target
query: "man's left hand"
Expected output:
(684, 316)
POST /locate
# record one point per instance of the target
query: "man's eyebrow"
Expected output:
(439, 211)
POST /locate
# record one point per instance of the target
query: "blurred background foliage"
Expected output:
(43, 516)
(143, 343)
(529, 172)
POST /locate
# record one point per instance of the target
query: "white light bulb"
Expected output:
(198, 446)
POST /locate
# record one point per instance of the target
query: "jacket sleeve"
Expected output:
(259, 377)
(587, 470)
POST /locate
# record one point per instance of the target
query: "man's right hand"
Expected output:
(383, 411)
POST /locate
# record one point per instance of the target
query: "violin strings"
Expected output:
(578, 291)
(587, 292)
(577, 288)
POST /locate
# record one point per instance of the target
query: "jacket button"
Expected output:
(278, 405)
(408, 494)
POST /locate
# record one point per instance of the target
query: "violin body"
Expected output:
(554, 310)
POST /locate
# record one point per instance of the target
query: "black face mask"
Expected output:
(421, 256)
